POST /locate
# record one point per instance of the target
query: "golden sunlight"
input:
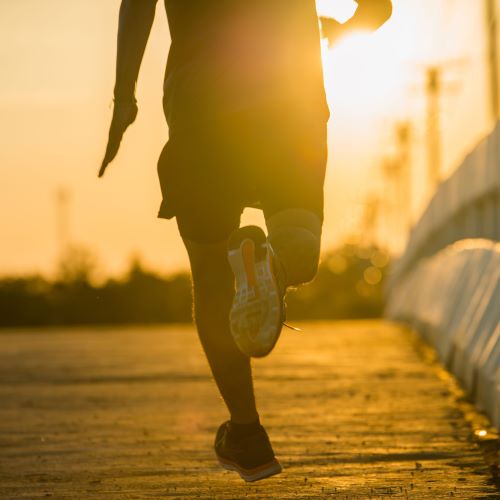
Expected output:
(371, 70)
(136, 309)
(341, 10)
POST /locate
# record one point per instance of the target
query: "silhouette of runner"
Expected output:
(246, 108)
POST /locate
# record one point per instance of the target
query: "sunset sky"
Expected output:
(57, 61)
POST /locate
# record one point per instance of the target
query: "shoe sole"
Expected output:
(257, 311)
(255, 474)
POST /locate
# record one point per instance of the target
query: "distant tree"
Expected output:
(349, 284)
(77, 265)
(24, 301)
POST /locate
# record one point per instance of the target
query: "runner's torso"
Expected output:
(228, 56)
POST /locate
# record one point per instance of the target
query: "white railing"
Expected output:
(466, 205)
(447, 283)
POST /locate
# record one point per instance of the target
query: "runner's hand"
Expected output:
(370, 15)
(124, 114)
(332, 30)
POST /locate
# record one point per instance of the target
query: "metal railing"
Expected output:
(466, 205)
(447, 283)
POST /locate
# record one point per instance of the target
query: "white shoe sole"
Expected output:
(251, 475)
(257, 312)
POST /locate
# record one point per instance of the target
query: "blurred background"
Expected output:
(408, 103)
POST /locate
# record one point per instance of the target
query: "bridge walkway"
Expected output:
(354, 409)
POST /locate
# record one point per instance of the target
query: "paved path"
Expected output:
(353, 409)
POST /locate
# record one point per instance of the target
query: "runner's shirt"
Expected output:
(230, 55)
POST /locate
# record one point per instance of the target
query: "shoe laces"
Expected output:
(293, 328)
(280, 273)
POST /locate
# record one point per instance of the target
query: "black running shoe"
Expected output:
(252, 457)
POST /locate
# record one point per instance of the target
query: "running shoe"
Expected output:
(252, 457)
(258, 310)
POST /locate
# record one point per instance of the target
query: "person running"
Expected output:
(246, 108)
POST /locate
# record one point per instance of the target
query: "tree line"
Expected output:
(349, 285)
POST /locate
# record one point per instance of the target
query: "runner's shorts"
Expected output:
(264, 158)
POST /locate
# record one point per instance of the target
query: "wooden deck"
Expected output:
(353, 409)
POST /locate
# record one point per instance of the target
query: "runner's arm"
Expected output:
(370, 15)
(136, 20)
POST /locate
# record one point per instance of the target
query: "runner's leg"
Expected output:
(213, 291)
(295, 236)
(291, 182)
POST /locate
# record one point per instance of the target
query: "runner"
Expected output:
(246, 109)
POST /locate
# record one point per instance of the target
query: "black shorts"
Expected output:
(265, 158)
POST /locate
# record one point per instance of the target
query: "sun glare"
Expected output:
(369, 72)
(341, 10)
